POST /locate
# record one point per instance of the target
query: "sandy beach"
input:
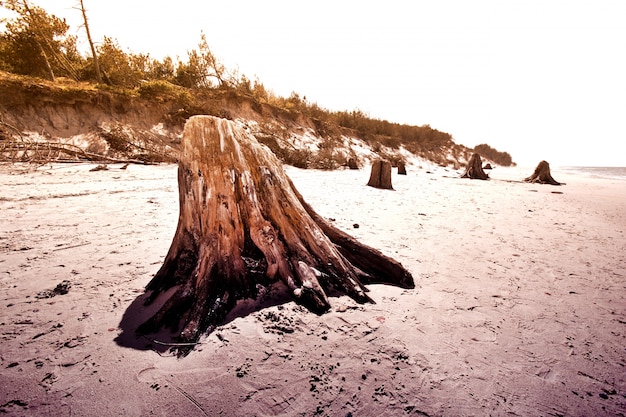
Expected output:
(519, 309)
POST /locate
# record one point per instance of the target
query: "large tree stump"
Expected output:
(474, 169)
(380, 176)
(242, 228)
(542, 175)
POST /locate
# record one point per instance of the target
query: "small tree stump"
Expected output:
(380, 177)
(243, 228)
(474, 169)
(401, 168)
(352, 164)
(542, 175)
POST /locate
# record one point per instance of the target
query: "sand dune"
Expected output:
(520, 305)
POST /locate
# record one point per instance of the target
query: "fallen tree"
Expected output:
(16, 146)
(46, 152)
(242, 228)
(542, 175)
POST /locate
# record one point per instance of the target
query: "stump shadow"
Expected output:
(138, 312)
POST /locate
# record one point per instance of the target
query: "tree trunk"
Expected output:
(94, 54)
(380, 177)
(38, 41)
(474, 169)
(542, 175)
(243, 228)
(401, 168)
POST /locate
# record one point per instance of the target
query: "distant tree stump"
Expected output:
(242, 228)
(380, 177)
(352, 164)
(401, 168)
(474, 169)
(542, 175)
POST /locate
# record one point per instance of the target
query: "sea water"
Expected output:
(518, 173)
(618, 173)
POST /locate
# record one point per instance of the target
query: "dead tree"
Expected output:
(474, 169)
(542, 175)
(380, 177)
(94, 54)
(244, 228)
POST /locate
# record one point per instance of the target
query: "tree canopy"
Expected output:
(501, 158)
(36, 43)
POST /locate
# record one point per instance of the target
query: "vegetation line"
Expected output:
(36, 44)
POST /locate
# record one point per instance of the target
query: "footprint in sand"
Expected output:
(150, 375)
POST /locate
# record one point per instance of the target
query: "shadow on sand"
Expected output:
(137, 313)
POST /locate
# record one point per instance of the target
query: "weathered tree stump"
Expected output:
(542, 175)
(244, 228)
(474, 169)
(380, 176)
(352, 164)
(401, 168)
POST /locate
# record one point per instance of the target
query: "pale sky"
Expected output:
(538, 79)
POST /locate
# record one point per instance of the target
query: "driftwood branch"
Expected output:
(38, 152)
(17, 147)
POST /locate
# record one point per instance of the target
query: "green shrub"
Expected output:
(501, 158)
(156, 89)
(299, 158)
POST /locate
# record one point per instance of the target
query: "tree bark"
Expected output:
(242, 228)
(380, 176)
(474, 169)
(542, 175)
